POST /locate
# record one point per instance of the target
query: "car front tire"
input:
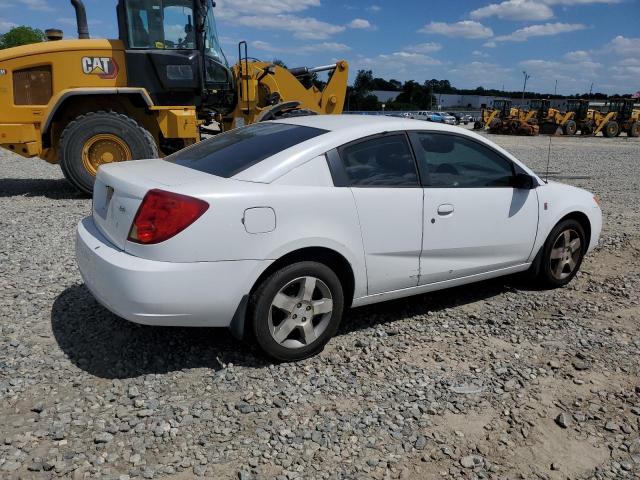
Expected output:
(296, 310)
(561, 255)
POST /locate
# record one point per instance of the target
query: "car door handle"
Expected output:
(445, 209)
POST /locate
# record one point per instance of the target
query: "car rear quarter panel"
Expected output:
(308, 216)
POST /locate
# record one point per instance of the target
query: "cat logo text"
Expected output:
(103, 67)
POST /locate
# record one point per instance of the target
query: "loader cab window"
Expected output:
(212, 47)
(158, 24)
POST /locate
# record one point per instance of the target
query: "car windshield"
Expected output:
(232, 152)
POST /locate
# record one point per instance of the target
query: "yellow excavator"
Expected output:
(82, 103)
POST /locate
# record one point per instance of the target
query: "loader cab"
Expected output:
(503, 106)
(172, 49)
(541, 107)
(623, 108)
(580, 107)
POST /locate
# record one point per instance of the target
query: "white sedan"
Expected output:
(276, 228)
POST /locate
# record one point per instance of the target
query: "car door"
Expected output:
(475, 221)
(383, 178)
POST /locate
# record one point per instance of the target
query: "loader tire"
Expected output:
(634, 130)
(570, 128)
(98, 138)
(478, 125)
(611, 129)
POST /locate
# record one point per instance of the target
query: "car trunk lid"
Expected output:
(120, 188)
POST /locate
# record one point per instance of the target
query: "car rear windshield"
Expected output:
(229, 153)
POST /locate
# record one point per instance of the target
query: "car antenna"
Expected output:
(546, 179)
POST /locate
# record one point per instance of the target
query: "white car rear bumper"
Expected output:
(198, 294)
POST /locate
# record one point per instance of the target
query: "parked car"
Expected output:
(429, 116)
(278, 227)
(461, 117)
(448, 119)
(423, 115)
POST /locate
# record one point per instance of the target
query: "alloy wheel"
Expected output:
(300, 312)
(565, 254)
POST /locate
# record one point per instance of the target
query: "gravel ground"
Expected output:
(497, 380)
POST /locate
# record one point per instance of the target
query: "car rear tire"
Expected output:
(101, 137)
(561, 255)
(296, 310)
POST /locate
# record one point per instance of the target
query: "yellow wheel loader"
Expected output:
(591, 121)
(503, 119)
(492, 116)
(626, 116)
(86, 102)
(550, 119)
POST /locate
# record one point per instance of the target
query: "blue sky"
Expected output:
(471, 43)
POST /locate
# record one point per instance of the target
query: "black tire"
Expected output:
(570, 128)
(544, 265)
(85, 127)
(634, 130)
(260, 306)
(611, 129)
(495, 124)
(478, 125)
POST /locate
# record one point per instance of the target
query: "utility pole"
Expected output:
(590, 91)
(555, 89)
(526, 77)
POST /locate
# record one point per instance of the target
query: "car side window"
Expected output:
(383, 161)
(452, 161)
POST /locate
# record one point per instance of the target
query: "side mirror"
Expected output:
(523, 181)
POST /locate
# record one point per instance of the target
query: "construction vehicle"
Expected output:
(581, 114)
(627, 117)
(621, 117)
(503, 119)
(86, 102)
(523, 114)
(517, 122)
(591, 121)
(550, 119)
(499, 112)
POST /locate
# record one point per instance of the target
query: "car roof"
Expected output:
(340, 130)
(340, 122)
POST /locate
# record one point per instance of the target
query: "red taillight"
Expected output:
(163, 215)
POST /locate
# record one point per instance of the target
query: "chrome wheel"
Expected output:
(565, 254)
(300, 312)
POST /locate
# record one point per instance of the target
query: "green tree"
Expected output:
(364, 82)
(21, 35)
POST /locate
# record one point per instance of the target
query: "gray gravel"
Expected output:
(497, 380)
